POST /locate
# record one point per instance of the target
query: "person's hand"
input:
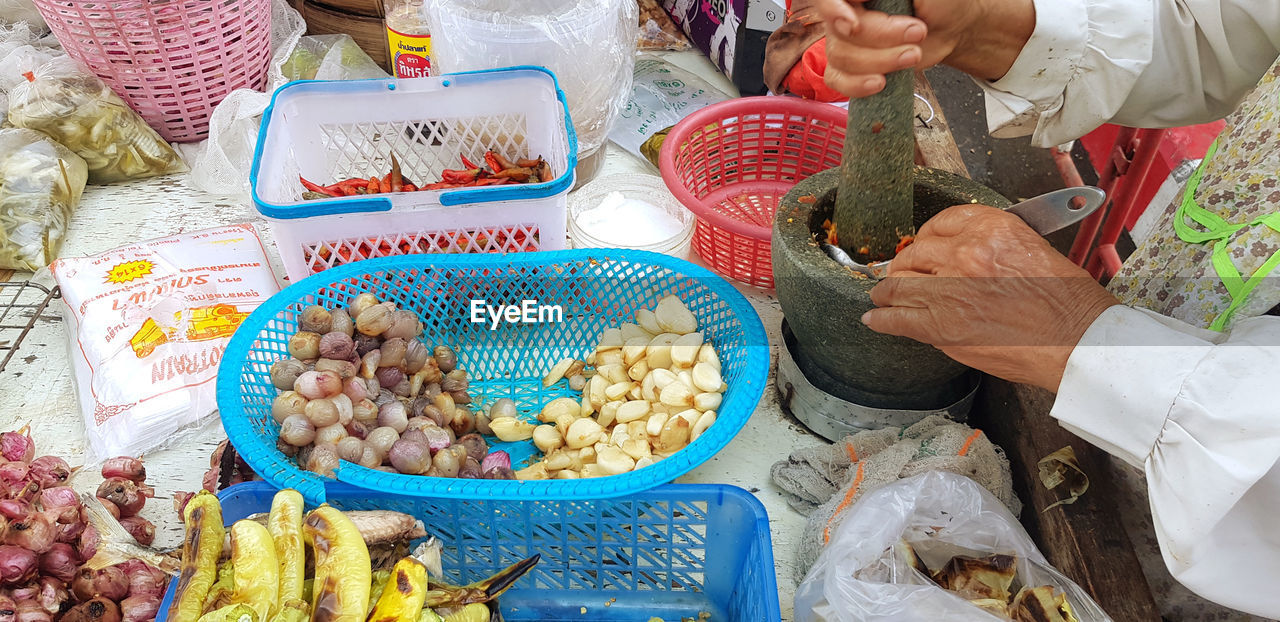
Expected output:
(983, 287)
(979, 37)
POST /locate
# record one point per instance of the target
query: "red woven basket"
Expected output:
(732, 162)
(173, 60)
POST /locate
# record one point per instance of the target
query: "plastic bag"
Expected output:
(40, 186)
(16, 11)
(23, 49)
(76, 108)
(590, 45)
(658, 31)
(221, 164)
(661, 95)
(863, 575)
(147, 325)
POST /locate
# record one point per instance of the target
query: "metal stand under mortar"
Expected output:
(834, 418)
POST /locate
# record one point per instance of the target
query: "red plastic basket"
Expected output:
(731, 163)
(171, 61)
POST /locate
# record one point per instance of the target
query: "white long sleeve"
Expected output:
(1199, 411)
(1141, 63)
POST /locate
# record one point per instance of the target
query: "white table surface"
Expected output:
(36, 387)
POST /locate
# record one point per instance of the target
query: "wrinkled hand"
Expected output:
(979, 37)
(987, 290)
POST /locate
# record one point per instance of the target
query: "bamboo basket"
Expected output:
(369, 32)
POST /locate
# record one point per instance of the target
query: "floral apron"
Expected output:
(1213, 260)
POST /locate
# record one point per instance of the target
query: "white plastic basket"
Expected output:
(327, 131)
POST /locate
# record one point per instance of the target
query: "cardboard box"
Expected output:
(732, 33)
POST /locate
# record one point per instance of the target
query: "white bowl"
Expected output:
(639, 186)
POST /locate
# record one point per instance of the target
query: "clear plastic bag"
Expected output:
(76, 108)
(590, 45)
(661, 95)
(147, 325)
(19, 11)
(23, 49)
(330, 57)
(40, 186)
(862, 575)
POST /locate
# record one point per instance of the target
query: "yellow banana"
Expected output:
(343, 575)
(201, 549)
(404, 593)
(257, 574)
(285, 525)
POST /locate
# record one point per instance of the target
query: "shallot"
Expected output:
(8, 609)
(95, 610)
(144, 580)
(17, 446)
(470, 470)
(316, 319)
(409, 457)
(323, 459)
(60, 562)
(50, 471)
(140, 608)
(59, 497)
(477, 449)
(110, 582)
(53, 593)
(180, 500)
(140, 528)
(297, 430)
(32, 611)
(112, 508)
(17, 565)
(34, 533)
(495, 460)
(87, 547)
(126, 494)
(13, 509)
(315, 385)
(437, 438)
(381, 439)
(285, 372)
(394, 415)
(14, 474)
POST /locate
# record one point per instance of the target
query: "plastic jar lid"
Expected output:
(648, 188)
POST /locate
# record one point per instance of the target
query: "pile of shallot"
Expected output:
(46, 538)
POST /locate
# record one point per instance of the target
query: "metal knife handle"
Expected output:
(1052, 211)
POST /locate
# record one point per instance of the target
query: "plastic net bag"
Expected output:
(40, 186)
(21, 11)
(661, 95)
(590, 45)
(222, 164)
(76, 108)
(148, 324)
(901, 544)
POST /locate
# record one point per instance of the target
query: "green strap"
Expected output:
(1218, 231)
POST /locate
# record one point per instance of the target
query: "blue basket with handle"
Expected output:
(672, 552)
(595, 289)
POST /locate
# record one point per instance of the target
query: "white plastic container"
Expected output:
(327, 131)
(648, 188)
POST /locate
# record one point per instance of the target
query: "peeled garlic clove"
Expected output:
(662, 378)
(653, 426)
(547, 439)
(637, 448)
(686, 378)
(632, 331)
(557, 372)
(592, 470)
(595, 390)
(612, 357)
(648, 321)
(702, 424)
(583, 433)
(684, 351)
(563, 423)
(631, 411)
(659, 351)
(638, 371)
(674, 317)
(587, 455)
(706, 377)
(510, 429)
(637, 429)
(533, 471)
(644, 462)
(618, 390)
(619, 435)
(614, 461)
(707, 401)
(608, 414)
(566, 474)
(691, 415)
(586, 408)
(674, 435)
(613, 374)
(707, 354)
(677, 394)
(634, 393)
(558, 460)
(557, 407)
(648, 391)
(611, 340)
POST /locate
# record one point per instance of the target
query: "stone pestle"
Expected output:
(873, 206)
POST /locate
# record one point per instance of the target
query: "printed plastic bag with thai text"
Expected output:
(148, 324)
(870, 569)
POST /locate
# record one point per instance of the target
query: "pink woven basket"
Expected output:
(171, 60)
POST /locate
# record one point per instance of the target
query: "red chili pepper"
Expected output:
(441, 186)
(354, 183)
(468, 163)
(491, 159)
(371, 186)
(459, 177)
(317, 188)
(384, 184)
(491, 181)
(503, 163)
(349, 191)
(409, 188)
(527, 163)
(516, 174)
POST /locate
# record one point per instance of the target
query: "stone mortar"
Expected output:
(823, 301)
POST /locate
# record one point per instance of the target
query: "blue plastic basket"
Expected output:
(595, 288)
(670, 552)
